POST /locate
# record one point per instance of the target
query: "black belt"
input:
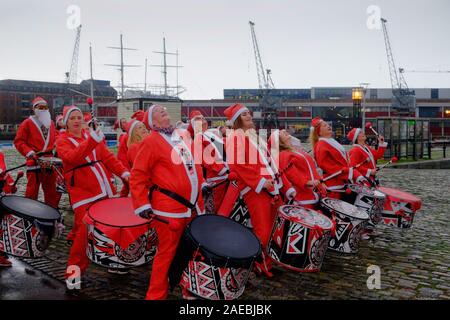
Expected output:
(174, 196)
(87, 164)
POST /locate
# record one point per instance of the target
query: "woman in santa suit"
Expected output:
(166, 182)
(361, 151)
(136, 134)
(331, 157)
(256, 177)
(86, 161)
(300, 169)
(209, 152)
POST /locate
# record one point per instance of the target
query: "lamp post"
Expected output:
(357, 96)
(364, 86)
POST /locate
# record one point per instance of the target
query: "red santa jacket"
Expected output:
(29, 139)
(6, 178)
(331, 157)
(123, 149)
(299, 168)
(251, 163)
(87, 183)
(359, 153)
(166, 161)
(132, 153)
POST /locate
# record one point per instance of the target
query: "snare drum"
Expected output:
(370, 200)
(299, 238)
(399, 208)
(224, 252)
(49, 162)
(350, 222)
(27, 226)
(117, 238)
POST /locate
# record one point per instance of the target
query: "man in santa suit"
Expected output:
(361, 151)
(86, 162)
(256, 177)
(36, 137)
(208, 149)
(165, 165)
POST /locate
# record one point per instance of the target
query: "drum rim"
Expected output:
(24, 215)
(111, 225)
(302, 222)
(203, 247)
(345, 214)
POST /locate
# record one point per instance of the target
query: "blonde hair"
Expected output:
(313, 138)
(134, 136)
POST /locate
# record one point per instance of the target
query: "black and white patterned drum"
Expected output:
(370, 200)
(240, 213)
(299, 238)
(26, 226)
(350, 223)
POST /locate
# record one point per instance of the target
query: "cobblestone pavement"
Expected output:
(414, 263)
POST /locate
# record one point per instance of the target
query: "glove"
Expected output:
(146, 214)
(291, 195)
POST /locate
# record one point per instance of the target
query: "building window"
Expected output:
(429, 112)
(434, 93)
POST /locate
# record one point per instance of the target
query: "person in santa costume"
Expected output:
(300, 169)
(256, 176)
(331, 157)
(36, 137)
(361, 151)
(59, 124)
(136, 134)
(7, 187)
(166, 182)
(208, 149)
(86, 161)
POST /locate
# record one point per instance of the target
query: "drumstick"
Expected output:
(340, 171)
(12, 169)
(89, 101)
(369, 126)
(394, 159)
(19, 175)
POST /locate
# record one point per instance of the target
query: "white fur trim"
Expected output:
(142, 208)
(383, 145)
(360, 178)
(29, 154)
(245, 190)
(369, 171)
(237, 114)
(260, 185)
(150, 115)
(350, 173)
(95, 136)
(291, 193)
(125, 174)
(355, 137)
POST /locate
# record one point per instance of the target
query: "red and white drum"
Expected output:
(350, 223)
(26, 226)
(300, 238)
(399, 208)
(117, 238)
(370, 200)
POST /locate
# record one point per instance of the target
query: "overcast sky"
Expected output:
(304, 43)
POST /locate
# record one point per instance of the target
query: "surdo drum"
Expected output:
(399, 207)
(117, 238)
(26, 226)
(350, 223)
(370, 200)
(300, 238)
(224, 252)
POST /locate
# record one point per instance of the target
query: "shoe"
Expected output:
(4, 262)
(118, 271)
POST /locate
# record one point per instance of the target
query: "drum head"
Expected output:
(305, 216)
(223, 237)
(115, 212)
(345, 208)
(29, 208)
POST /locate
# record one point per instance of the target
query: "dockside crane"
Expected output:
(401, 70)
(71, 76)
(268, 104)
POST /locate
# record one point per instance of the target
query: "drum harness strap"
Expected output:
(72, 178)
(174, 196)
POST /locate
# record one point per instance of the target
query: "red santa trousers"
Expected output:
(48, 181)
(167, 246)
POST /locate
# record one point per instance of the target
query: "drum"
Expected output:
(27, 226)
(370, 200)
(224, 252)
(350, 222)
(399, 207)
(54, 164)
(240, 213)
(299, 238)
(117, 238)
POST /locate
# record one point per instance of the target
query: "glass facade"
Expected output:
(429, 112)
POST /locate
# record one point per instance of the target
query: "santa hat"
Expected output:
(131, 125)
(315, 124)
(148, 116)
(67, 110)
(39, 101)
(353, 134)
(138, 115)
(58, 118)
(234, 111)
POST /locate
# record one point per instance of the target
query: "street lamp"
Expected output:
(364, 85)
(357, 96)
